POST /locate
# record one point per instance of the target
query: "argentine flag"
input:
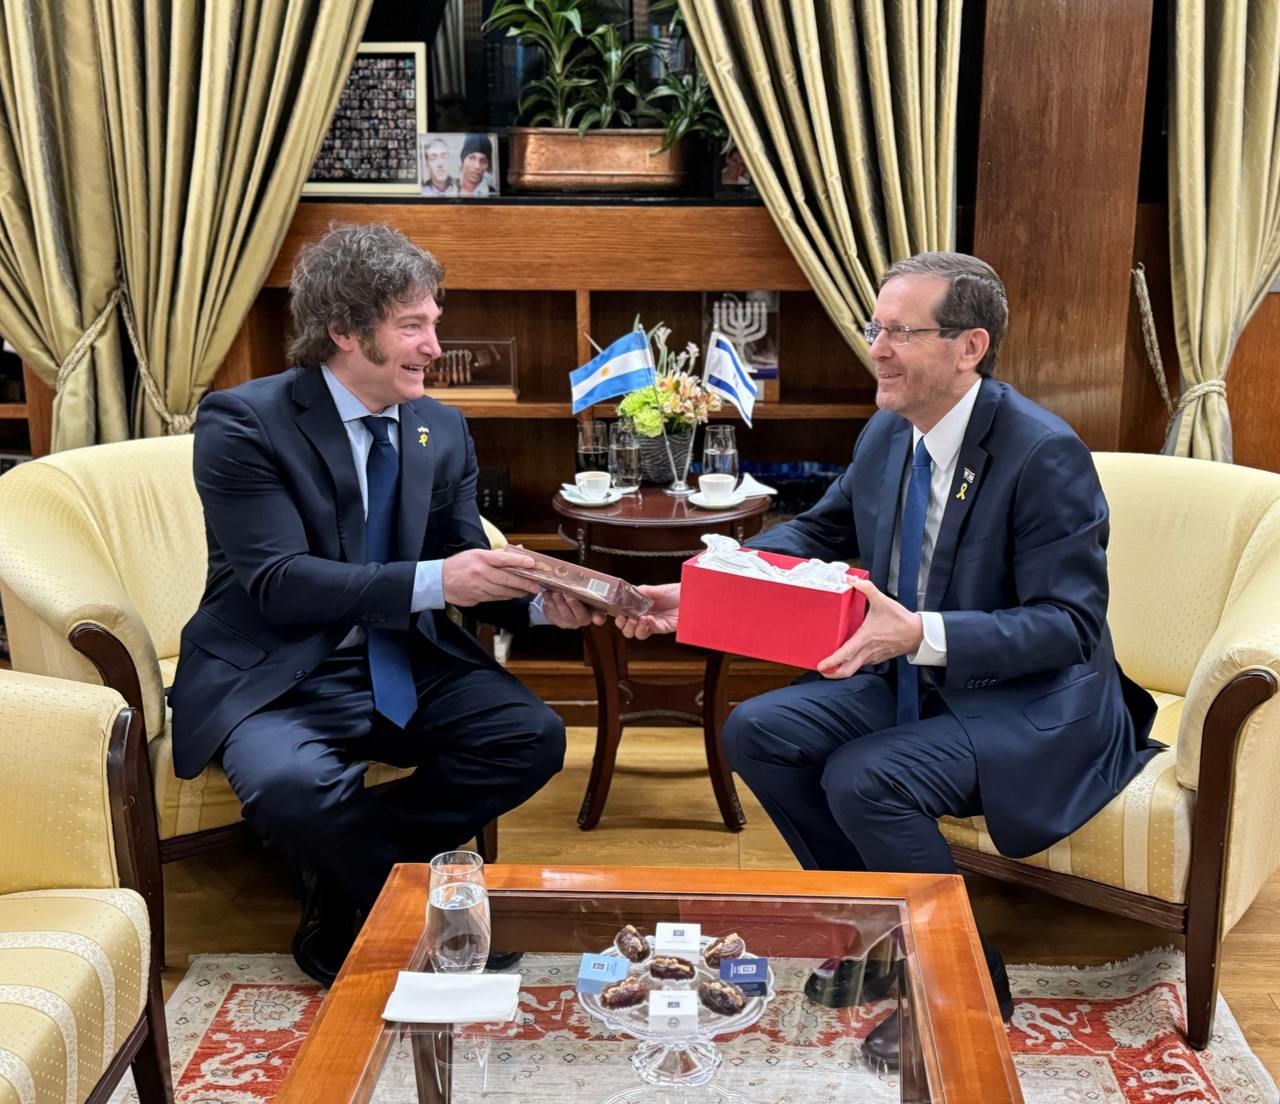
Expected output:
(622, 367)
(723, 373)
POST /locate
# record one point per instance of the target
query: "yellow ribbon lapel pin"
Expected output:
(969, 477)
(424, 435)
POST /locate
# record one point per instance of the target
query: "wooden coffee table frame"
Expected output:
(969, 1060)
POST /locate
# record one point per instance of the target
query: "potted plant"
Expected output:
(581, 133)
(666, 415)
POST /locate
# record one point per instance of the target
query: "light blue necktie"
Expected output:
(910, 547)
(394, 693)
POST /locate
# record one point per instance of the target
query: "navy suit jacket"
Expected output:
(1019, 574)
(287, 574)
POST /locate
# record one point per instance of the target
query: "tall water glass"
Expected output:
(457, 914)
(624, 457)
(593, 445)
(720, 451)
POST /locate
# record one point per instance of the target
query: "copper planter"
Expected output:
(550, 159)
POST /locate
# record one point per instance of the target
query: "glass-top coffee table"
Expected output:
(799, 1041)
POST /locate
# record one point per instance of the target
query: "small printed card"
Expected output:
(751, 975)
(681, 940)
(597, 971)
(673, 1011)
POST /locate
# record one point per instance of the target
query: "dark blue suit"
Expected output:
(259, 679)
(1031, 722)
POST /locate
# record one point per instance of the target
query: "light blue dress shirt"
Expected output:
(428, 578)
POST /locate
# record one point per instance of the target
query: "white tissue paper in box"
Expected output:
(453, 998)
(727, 555)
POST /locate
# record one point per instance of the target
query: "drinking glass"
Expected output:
(720, 451)
(457, 914)
(593, 445)
(624, 457)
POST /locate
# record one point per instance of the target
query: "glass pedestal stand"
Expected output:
(676, 1061)
(651, 1094)
(677, 1067)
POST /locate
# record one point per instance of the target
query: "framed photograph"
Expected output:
(460, 166)
(732, 177)
(475, 368)
(372, 144)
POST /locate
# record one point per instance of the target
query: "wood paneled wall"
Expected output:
(1063, 86)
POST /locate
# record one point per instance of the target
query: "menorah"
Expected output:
(741, 321)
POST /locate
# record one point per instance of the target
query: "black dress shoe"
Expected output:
(844, 982)
(882, 1048)
(326, 931)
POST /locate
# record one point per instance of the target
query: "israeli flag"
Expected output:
(622, 367)
(723, 373)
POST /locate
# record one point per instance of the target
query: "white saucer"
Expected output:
(699, 499)
(571, 495)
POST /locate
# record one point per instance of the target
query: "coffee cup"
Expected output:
(717, 487)
(592, 485)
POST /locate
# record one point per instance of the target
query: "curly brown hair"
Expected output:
(348, 280)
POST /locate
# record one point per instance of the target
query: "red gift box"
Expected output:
(765, 619)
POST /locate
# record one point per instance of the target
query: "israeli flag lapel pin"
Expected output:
(424, 435)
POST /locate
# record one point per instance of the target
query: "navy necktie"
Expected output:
(394, 693)
(910, 547)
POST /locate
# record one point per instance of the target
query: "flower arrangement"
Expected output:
(678, 400)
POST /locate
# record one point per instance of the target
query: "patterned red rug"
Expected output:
(1105, 1034)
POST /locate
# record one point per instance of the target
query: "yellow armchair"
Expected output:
(1194, 563)
(102, 561)
(79, 987)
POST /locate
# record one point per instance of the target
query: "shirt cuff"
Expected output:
(536, 616)
(933, 648)
(428, 586)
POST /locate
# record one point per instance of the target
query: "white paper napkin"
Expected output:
(453, 998)
(750, 487)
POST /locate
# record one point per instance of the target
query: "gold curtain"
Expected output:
(1224, 201)
(214, 112)
(58, 256)
(844, 111)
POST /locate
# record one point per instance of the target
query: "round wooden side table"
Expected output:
(644, 537)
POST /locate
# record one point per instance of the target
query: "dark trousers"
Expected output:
(482, 743)
(847, 787)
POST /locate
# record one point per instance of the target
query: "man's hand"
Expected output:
(888, 631)
(478, 575)
(566, 612)
(660, 619)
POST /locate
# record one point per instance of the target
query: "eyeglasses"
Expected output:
(900, 335)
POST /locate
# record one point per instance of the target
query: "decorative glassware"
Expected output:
(593, 445)
(720, 451)
(686, 1059)
(624, 457)
(458, 925)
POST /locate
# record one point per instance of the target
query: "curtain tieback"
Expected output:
(173, 423)
(1198, 391)
(78, 351)
(1193, 393)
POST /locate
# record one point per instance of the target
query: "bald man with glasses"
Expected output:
(983, 681)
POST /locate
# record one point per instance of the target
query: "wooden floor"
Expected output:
(662, 810)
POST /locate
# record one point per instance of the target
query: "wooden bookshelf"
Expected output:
(548, 275)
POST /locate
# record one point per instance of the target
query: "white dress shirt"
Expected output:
(943, 443)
